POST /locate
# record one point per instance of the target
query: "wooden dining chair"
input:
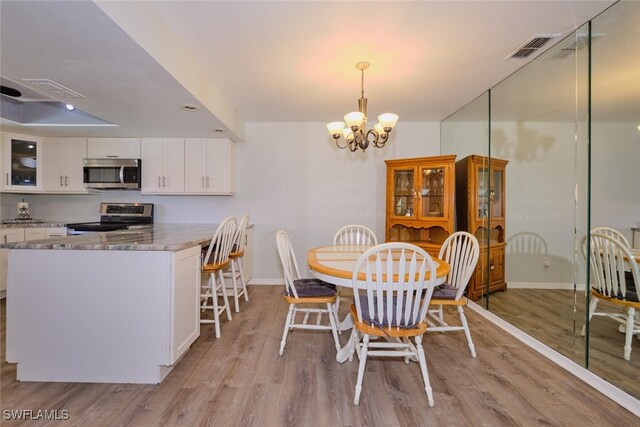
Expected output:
(400, 279)
(355, 234)
(461, 251)
(611, 232)
(215, 260)
(610, 262)
(234, 271)
(300, 293)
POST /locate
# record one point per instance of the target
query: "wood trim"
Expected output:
(435, 301)
(238, 254)
(214, 267)
(384, 332)
(615, 301)
(310, 300)
(316, 265)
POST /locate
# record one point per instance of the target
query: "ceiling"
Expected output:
(269, 61)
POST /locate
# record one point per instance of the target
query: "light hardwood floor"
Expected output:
(548, 316)
(239, 379)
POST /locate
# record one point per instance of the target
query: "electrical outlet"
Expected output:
(546, 262)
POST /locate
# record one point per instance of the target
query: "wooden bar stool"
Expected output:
(216, 259)
(236, 264)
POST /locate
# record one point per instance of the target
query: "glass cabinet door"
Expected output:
(496, 193)
(483, 191)
(432, 192)
(404, 192)
(22, 163)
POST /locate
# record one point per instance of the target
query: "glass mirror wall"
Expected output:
(615, 175)
(466, 134)
(564, 131)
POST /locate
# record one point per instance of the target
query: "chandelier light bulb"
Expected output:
(335, 129)
(388, 121)
(347, 134)
(378, 127)
(354, 120)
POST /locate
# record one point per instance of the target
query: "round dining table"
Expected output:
(334, 264)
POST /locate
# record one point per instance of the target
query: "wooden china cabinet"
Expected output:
(480, 206)
(420, 201)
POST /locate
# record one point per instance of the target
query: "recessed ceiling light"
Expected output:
(70, 107)
(190, 107)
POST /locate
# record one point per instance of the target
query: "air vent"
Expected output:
(53, 88)
(531, 46)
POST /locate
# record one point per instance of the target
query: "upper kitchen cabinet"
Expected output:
(113, 148)
(162, 165)
(210, 166)
(22, 163)
(420, 201)
(62, 162)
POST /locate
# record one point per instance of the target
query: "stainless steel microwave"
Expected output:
(112, 174)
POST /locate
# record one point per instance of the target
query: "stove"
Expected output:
(117, 216)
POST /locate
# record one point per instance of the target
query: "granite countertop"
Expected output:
(160, 237)
(34, 224)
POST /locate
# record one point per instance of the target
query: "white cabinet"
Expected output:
(210, 166)
(16, 235)
(113, 148)
(7, 235)
(162, 165)
(22, 163)
(63, 164)
(185, 301)
(34, 234)
(55, 232)
(2, 160)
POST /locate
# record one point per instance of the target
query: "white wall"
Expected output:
(290, 176)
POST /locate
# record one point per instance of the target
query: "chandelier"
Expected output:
(355, 134)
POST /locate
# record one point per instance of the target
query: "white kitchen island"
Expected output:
(117, 307)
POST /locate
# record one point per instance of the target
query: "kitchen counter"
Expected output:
(159, 237)
(46, 224)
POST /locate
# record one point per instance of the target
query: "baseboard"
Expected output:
(623, 399)
(266, 282)
(532, 285)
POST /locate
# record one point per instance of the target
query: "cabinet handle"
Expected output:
(60, 180)
(164, 181)
(66, 181)
(111, 156)
(207, 182)
(7, 178)
(159, 183)
(5, 238)
(203, 182)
